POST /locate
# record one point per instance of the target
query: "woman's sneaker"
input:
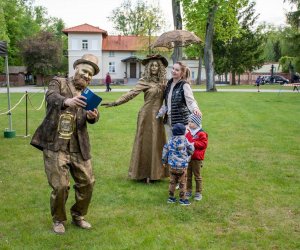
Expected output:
(171, 200)
(188, 195)
(184, 202)
(198, 197)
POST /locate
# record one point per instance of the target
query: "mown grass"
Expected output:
(251, 181)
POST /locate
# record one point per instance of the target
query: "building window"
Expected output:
(193, 75)
(85, 45)
(111, 53)
(74, 44)
(94, 45)
(111, 67)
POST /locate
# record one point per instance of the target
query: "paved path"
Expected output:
(34, 89)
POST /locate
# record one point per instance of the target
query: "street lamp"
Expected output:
(272, 70)
(272, 73)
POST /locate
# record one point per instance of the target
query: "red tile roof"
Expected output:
(125, 43)
(85, 28)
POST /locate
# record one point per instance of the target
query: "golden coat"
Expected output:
(150, 133)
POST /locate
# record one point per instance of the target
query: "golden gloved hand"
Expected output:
(109, 104)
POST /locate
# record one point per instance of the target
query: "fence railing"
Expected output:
(27, 98)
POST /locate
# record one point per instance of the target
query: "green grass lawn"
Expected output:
(251, 197)
(203, 86)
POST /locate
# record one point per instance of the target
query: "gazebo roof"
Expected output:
(132, 59)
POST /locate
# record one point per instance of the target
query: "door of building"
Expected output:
(132, 70)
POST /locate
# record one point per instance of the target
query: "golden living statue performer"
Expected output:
(64, 140)
(145, 164)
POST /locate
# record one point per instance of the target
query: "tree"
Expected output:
(196, 51)
(294, 20)
(243, 52)
(138, 20)
(177, 21)
(208, 52)
(20, 22)
(56, 26)
(42, 53)
(20, 19)
(3, 33)
(293, 16)
(206, 17)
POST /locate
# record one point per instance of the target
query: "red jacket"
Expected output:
(108, 79)
(200, 141)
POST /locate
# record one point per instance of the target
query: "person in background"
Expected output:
(108, 82)
(64, 140)
(176, 155)
(199, 138)
(258, 82)
(145, 164)
(179, 101)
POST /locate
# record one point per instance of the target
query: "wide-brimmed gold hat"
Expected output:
(88, 59)
(155, 57)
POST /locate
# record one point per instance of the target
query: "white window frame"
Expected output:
(111, 54)
(193, 75)
(112, 67)
(84, 44)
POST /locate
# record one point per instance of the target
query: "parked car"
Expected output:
(276, 79)
(264, 78)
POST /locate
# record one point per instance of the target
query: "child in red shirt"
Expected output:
(199, 138)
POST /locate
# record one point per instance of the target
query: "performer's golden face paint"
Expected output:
(66, 125)
(83, 75)
(154, 68)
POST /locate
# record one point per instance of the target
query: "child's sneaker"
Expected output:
(188, 195)
(184, 202)
(171, 200)
(198, 197)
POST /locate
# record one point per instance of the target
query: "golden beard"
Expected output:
(79, 82)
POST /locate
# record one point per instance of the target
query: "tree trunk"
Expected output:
(177, 20)
(233, 78)
(198, 80)
(208, 52)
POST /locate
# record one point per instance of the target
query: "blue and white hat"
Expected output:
(196, 119)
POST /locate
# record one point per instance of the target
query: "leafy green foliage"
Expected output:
(22, 25)
(210, 18)
(42, 53)
(293, 19)
(19, 20)
(139, 20)
(226, 23)
(243, 52)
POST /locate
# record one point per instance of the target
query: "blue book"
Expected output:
(92, 100)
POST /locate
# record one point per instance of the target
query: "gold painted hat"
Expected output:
(88, 59)
(155, 57)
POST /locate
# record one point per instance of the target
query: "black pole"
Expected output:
(26, 118)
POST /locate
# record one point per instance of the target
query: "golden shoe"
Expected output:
(58, 227)
(82, 224)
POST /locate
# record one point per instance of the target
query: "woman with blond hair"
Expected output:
(179, 101)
